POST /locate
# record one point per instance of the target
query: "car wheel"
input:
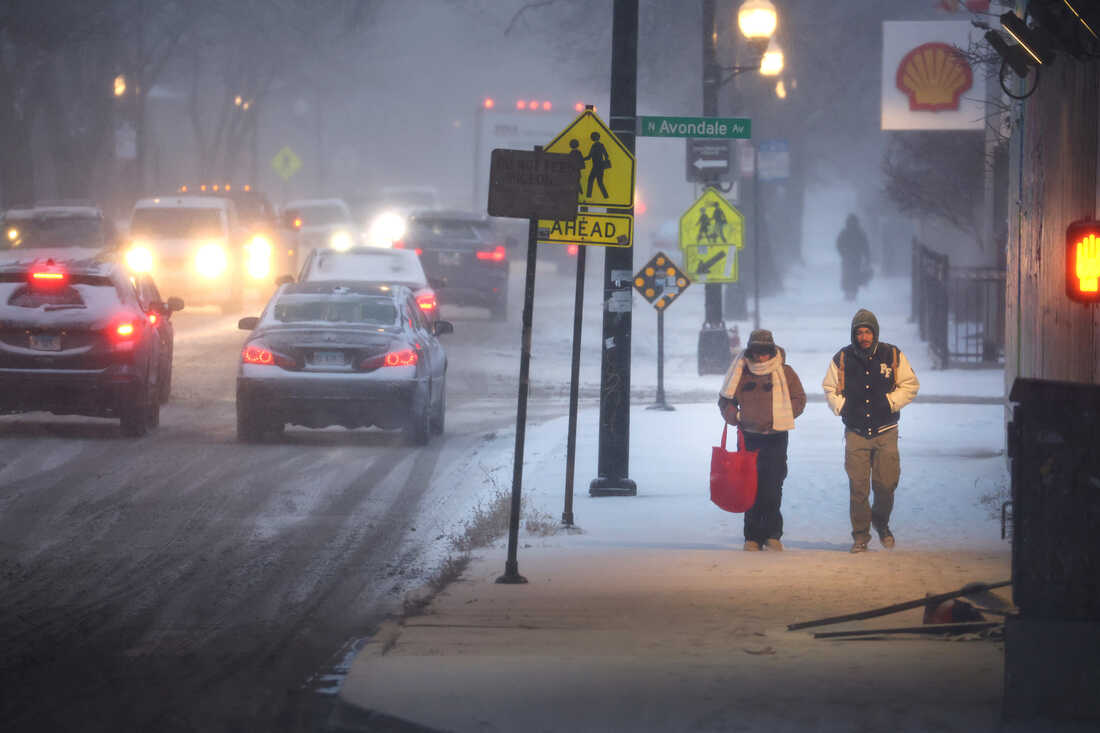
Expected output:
(165, 388)
(418, 430)
(248, 428)
(133, 413)
(439, 415)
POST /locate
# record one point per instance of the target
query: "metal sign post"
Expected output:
(574, 390)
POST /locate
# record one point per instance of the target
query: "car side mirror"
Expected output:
(174, 304)
(284, 280)
(442, 327)
(248, 323)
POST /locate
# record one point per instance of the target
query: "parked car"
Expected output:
(375, 265)
(55, 230)
(192, 245)
(75, 338)
(462, 250)
(321, 224)
(342, 353)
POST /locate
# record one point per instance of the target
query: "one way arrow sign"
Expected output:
(708, 160)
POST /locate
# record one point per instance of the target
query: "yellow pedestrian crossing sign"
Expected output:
(711, 232)
(286, 163)
(607, 167)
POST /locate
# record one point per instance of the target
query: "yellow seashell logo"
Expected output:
(934, 77)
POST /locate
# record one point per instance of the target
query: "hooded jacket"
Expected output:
(869, 388)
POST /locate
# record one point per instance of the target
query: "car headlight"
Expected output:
(139, 258)
(13, 234)
(211, 260)
(258, 251)
(385, 229)
(340, 241)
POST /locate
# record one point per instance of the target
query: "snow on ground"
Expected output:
(954, 472)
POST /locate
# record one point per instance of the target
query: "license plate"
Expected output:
(46, 341)
(450, 258)
(328, 358)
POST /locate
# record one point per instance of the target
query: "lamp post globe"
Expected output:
(757, 20)
(772, 62)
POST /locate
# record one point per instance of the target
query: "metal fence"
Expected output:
(959, 311)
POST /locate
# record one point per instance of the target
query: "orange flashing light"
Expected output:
(521, 104)
(1083, 261)
(183, 189)
(488, 103)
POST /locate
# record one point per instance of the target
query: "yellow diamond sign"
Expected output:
(286, 163)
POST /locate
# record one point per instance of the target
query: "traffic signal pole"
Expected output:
(714, 344)
(614, 443)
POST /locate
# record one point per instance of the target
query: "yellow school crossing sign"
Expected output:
(606, 181)
(711, 232)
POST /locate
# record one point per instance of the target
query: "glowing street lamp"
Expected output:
(772, 62)
(757, 20)
(120, 85)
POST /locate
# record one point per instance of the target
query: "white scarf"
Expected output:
(782, 412)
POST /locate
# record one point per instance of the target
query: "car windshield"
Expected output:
(99, 293)
(176, 223)
(444, 228)
(335, 308)
(320, 215)
(383, 265)
(62, 231)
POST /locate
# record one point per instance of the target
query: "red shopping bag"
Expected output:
(732, 475)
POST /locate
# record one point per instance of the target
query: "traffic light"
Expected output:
(1083, 261)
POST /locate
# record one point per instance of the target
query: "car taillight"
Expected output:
(404, 357)
(494, 255)
(153, 319)
(122, 335)
(572, 250)
(427, 301)
(398, 244)
(124, 330)
(258, 354)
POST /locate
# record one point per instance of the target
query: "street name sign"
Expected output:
(698, 127)
(711, 232)
(660, 282)
(529, 184)
(607, 230)
(606, 180)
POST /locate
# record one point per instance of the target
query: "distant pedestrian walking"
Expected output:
(597, 154)
(762, 395)
(855, 257)
(880, 375)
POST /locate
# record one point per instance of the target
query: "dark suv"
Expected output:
(464, 252)
(76, 339)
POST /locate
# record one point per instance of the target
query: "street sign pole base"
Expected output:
(661, 406)
(511, 574)
(714, 350)
(604, 486)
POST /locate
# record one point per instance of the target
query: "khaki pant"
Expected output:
(873, 464)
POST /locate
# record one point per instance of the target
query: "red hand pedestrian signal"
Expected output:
(1083, 261)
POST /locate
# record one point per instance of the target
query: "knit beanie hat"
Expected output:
(760, 342)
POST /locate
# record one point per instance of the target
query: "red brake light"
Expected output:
(398, 244)
(124, 330)
(418, 251)
(47, 277)
(427, 301)
(404, 357)
(153, 319)
(257, 353)
(572, 249)
(495, 255)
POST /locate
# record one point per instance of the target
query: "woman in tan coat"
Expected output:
(762, 395)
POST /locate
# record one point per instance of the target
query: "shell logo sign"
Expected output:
(933, 76)
(927, 83)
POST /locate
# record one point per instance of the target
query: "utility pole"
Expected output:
(714, 342)
(614, 445)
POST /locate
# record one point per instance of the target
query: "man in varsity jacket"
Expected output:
(867, 384)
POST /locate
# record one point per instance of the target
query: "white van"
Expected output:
(192, 245)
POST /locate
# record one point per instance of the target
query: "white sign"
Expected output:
(926, 83)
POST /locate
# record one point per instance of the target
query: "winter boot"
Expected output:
(774, 544)
(751, 546)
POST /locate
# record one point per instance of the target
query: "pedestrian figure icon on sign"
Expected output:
(704, 225)
(576, 154)
(600, 162)
(718, 233)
